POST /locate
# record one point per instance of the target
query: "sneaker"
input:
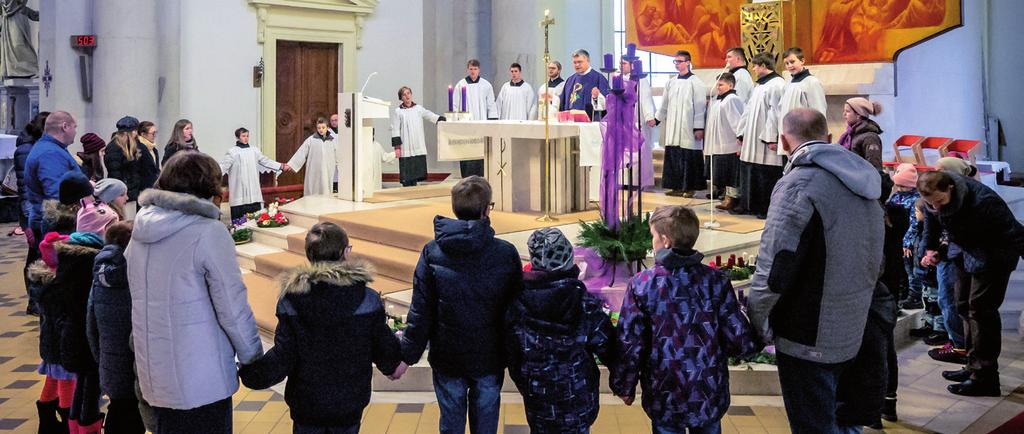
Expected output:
(937, 339)
(922, 332)
(948, 354)
(974, 387)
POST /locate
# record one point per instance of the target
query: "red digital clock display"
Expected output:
(80, 41)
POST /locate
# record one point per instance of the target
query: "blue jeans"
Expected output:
(480, 395)
(711, 428)
(809, 390)
(946, 273)
(915, 284)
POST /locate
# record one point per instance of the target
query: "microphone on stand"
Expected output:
(367, 81)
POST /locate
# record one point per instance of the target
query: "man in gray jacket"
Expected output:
(820, 257)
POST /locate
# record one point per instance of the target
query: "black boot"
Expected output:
(64, 414)
(48, 422)
(975, 387)
(957, 376)
(889, 409)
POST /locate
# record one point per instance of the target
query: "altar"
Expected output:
(514, 157)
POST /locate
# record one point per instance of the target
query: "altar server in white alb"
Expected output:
(552, 94)
(408, 139)
(516, 100)
(480, 102)
(319, 154)
(647, 117)
(682, 111)
(243, 165)
(803, 90)
(736, 61)
(760, 165)
(720, 142)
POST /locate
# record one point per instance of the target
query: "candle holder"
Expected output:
(458, 116)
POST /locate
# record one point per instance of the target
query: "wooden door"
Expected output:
(307, 89)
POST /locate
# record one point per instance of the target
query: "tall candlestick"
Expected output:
(617, 82)
(638, 68)
(608, 58)
(630, 50)
(463, 99)
(451, 106)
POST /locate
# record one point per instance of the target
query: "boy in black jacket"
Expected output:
(330, 328)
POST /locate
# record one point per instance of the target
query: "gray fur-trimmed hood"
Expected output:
(347, 273)
(165, 214)
(39, 272)
(59, 217)
(69, 249)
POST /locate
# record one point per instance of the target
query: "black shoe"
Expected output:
(738, 211)
(49, 422)
(762, 216)
(921, 332)
(957, 376)
(974, 387)
(31, 309)
(937, 339)
(876, 425)
(889, 410)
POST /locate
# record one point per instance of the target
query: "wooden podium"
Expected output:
(356, 156)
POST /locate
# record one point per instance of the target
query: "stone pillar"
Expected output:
(518, 38)
(125, 62)
(56, 25)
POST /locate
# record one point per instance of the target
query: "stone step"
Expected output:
(393, 262)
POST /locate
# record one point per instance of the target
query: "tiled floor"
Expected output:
(924, 404)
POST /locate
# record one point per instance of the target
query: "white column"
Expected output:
(58, 20)
(125, 62)
(518, 38)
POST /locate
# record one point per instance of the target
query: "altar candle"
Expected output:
(638, 68)
(630, 50)
(617, 82)
(463, 99)
(608, 58)
(547, 12)
(451, 106)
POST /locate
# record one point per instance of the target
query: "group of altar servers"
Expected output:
(727, 133)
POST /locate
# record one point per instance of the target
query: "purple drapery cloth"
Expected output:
(622, 139)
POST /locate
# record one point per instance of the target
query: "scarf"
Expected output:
(151, 147)
(846, 140)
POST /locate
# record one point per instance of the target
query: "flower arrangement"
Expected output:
(397, 323)
(629, 243)
(270, 217)
(737, 267)
(241, 234)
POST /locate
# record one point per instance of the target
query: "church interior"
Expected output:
(583, 116)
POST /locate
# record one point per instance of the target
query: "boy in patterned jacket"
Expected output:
(680, 322)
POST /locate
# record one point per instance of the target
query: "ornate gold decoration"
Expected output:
(761, 29)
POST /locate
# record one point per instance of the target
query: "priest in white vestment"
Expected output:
(479, 102)
(408, 138)
(682, 110)
(516, 100)
(720, 143)
(760, 165)
(803, 90)
(319, 154)
(736, 62)
(243, 165)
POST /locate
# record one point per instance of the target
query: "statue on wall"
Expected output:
(17, 54)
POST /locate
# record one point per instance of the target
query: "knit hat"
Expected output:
(955, 165)
(47, 250)
(864, 106)
(95, 217)
(91, 143)
(127, 123)
(108, 189)
(905, 176)
(73, 187)
(550, 250)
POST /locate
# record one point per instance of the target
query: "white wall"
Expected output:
(218, 52)
(1005, 87)
(55, 29)
(939, 83)
(393, 47)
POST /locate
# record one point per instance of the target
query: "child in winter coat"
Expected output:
(554, 330)
(904, 195)
(109, 327)
(331, 329)
(59, 220)
(680, 313)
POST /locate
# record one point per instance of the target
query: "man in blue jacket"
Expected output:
(46, 164)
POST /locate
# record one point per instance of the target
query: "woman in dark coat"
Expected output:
(148, 156)
(33, 131)
(181, 140)
(121, 159)
(92, 157)
(862, 133)
(109, 327)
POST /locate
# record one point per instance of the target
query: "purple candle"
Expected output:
(451, 106)
(630, 50)
(638, 68)
(617, 82)
(463, 99)
(608, 59)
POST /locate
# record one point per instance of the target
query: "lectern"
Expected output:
(356, 156)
